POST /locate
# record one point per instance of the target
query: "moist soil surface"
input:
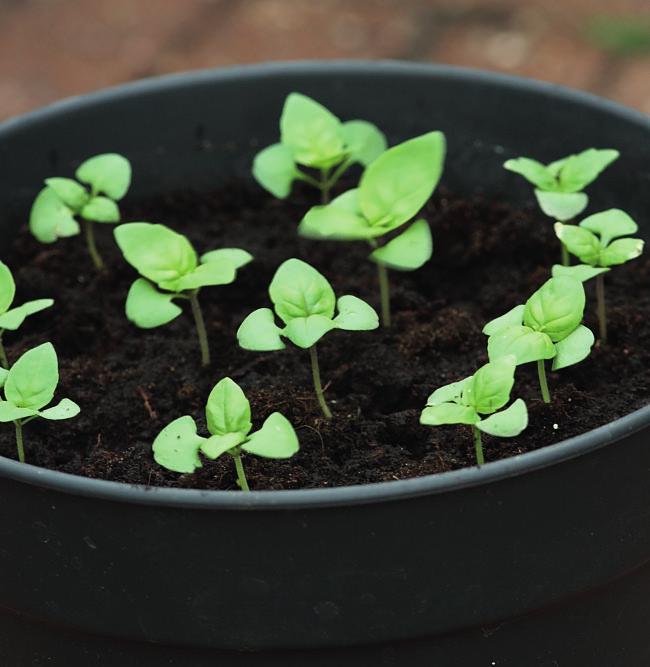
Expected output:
(130, 383)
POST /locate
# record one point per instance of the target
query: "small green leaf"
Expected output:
(66, 409)
(275, 440)
(408, 251)
(3, 376)
(574, 348)
(556, 308)
(533, 171)
(621, 251)
(561, 206)
(216, 445)
(336, 223)
(275, 170)
(9, 412)
(50, 218)
(228, 409)
(581, 272)
(450, 393)
(306, 331)
(508, 423)
(448, 413)
(524, 343)
(72, 194)
(7, 288)
(490, 387)
(13, 319)
(610, 224)
(212, 273)
(235, 256)
(259, 332)
(109, 173)
(177, 446)
(101, 209)
(148, 308)
(579, 242)
(582, 169)
(32, 380)
(513, 317)
(355, 314)
(364, 142)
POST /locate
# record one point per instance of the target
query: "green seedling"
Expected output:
(547, 326)
(559, 185)
(313, 137)
(304, 300)
(484, 393)
(12, 318)
(172, 271)
(29, 385)
(228, 417)
(392, 191)
(597, 242)
(101, 182)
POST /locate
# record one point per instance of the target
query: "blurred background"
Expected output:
(51, 49)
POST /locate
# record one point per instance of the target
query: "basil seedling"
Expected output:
(484, 393)
(392, 191)
(313, 137)
(171, 270)
(228, 416)
(597, 242)
(101, 182)
(29, 385)
(559, 185)
(12, 318)
(548, 326)
(304, 300)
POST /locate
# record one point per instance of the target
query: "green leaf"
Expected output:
(582, 169)
(204, 275)
(109, 173)
(581, 272)
(556, 308)
(621, 251)
(448, 413)
(14, 318)
(9, 412)
(3, 376)
(69, 192)
(235, 256)
(449, 393)
(101, 209)
(508, 423)
(7, 288)
(574, 348)
(561, 206)
(533, 171)
(228, 409)
(259, 332)
(216, 445)
(305, 331)
(348, 201)
(408, 251)
(148, 308)
(364, 142)
(177, 446)
(490, 387)
(32, 380)
(610, 224)
(524, 343)
(556, 166)
(66, 409)
(336, 223)
(275, 440)
(513, 317)
(275, 170)
(355, 314)
(50, 218)
(579, 242)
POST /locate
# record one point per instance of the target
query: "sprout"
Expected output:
(548, 326)
(559, 185)
(29, 385)
(392, 191)
(167, 261)
(228, 416)
(12, 318)
(313, 137)
(304, 300)
(54, 210)
(483, 393)
(596, 242)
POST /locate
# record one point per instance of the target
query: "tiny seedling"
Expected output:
(304, 300)
(392, 191)
(101, 182)
(547, 326)
(597, 242)
(559, 185)
(313, 137)
(171, 270)
(484, 393)
(29, 385)
(228, 417)
(12, 318)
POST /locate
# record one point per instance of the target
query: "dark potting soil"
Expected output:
(130, 383)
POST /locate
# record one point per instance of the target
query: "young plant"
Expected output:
(559, 185)
(313, 137)
(547, 326)
(483, 393)
(171, 270)
(392, 191)
(101, 182)
(228, 417)
(29, 385)
(12, 318)
(304, 300)
(597, 242)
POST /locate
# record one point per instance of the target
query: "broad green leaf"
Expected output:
(7, 288)
(348, 201)
(582, 169)
(71, 193)
(50, 218)
(228, 409)
(450, 393)
(9, 412)
(336, 223)
(555, 166)
(574, 348)
(355, 314)
(556, 308)
(490, 387)
(14, 318)
(275, 440)
(101, 209)
(508, 423)
(306, 331)
(32, 380)
(610, 224)
(259, 332)
(148, 308)
(524, 343)
(235, 256)
(579, 242)
(364, 142)
(620, 251)
(177, 446)
(66, 409)
(408, 251)
(562, 206)
(448, 413)
(275, 170)
(581, 272)
(513, 317)
(212, 273)
(533, 171)
(216, 445)
(109, 173)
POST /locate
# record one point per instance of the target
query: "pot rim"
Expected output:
(344, 495)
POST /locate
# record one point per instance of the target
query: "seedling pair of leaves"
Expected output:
(313, 137)
(391, 192)
(29, 386)
(547, 326)
(597, 242)
(228, 417)
(484, 393)
(304, 300)
(171, 271)
(101, 182)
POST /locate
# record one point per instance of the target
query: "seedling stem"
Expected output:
(200, 328)
(3, 354)
(566, 260)
(19, 440)
(241, 475)
(543, 384)
(478, 446)
(602, 316)
(92, 247)
(384, 293)
(318, 387)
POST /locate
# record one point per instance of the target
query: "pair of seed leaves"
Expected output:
(559, 185)
(12, 318)
(29, 386)
(305, 301)
(483, 393)
(312, 136)
(228, 417)
(167, 259)
(53, 213)
(547, 326)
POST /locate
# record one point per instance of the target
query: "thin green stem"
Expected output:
(200, 328)
(566, 259)
(338, 172)
(4, 361)
(384, 294)
(318, 387)
(543, 384)
(241, 475)
(89, 227)
(325, 186)
(478, 446)
(19, 440)
(301, 176)
(602, 312)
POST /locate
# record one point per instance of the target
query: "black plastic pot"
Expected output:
(536, 560)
